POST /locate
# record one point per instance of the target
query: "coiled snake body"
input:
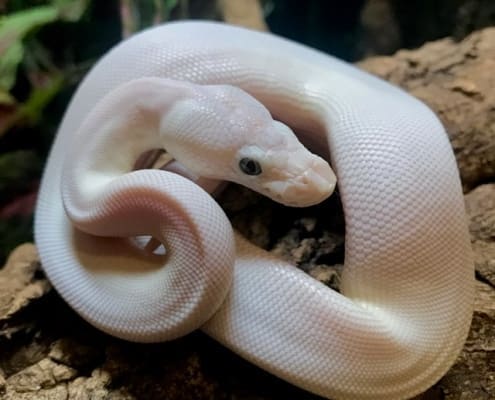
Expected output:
(199, 90)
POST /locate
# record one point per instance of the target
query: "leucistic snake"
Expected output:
(220, 99)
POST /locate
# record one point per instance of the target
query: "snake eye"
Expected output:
(250, 166)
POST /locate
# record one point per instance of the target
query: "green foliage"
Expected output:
(29, 81)
(46, 47)
(19, 46)
(15, 27)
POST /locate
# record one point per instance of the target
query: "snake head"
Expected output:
(280, 167)
(239, 141)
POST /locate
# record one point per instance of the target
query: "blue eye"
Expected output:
(250, 166)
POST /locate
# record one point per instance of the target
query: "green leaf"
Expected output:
(8, 65)
(6, 99)
(70, 10)
(13, 28)
(32, 109)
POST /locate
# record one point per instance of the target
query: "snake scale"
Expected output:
(221, 100)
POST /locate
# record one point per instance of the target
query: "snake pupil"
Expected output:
(250, 166)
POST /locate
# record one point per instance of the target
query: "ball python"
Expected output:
(224, 102)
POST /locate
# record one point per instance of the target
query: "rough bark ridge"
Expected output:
(48, 352)
(456, 80)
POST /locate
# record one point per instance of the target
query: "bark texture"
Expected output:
(456, 80)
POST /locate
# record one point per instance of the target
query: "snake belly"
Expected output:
(407, 286)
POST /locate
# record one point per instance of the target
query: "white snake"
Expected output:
(408, 278)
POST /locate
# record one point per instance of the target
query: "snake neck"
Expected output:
(122, 126)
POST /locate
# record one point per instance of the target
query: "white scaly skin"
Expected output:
(407, 286)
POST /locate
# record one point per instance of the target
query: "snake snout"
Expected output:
(311, 185)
